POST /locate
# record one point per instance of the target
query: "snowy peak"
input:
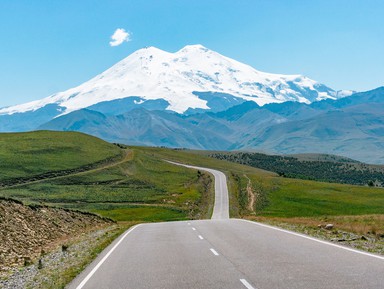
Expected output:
(193, 47)
(178, 78)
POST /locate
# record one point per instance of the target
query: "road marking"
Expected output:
(189, 224)
(314, 239)
(246, 284)
(201, 237)
(81, 285)
(214, 252)
(193, 228)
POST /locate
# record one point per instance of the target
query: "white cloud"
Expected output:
(119, 36)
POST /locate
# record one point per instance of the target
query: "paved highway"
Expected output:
(227, 253)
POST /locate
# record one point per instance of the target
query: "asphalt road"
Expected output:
(221, 207)
(227, 253)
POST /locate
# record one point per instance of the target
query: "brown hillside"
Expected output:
(26, 232)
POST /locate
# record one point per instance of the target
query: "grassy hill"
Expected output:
(25, 155)
(74, 170)
(143, 187)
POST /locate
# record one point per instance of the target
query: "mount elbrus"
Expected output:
(197, 98)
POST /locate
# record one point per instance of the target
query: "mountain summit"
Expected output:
(194, 78)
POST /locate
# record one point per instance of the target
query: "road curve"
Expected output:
(221, 207)
(224, 253)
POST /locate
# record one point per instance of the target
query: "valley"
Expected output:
(132, 185)
(140, 186)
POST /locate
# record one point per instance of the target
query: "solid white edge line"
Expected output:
(201, 237)
(85, 280)
(314, 239)
(246, 284)
(214, 252)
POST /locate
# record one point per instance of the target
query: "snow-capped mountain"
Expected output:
(186, 80)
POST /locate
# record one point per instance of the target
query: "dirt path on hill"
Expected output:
(251, 195)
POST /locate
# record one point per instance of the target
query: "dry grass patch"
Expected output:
(363, 225)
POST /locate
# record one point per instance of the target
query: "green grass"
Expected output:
(28, 154)
(142, 188)
(282, 197)
(298, 198)
(235, 172)
(144, 213)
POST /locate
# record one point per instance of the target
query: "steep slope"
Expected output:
(186, 79)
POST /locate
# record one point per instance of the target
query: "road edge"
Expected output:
(312, 239)
(96, 264)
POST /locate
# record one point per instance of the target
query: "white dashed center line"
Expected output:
(246, 284)
(214, 252)
(193, 228)
(201, 237)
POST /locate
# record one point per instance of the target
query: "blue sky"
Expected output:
(49, 46)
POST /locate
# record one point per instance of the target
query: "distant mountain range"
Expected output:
(197, 98)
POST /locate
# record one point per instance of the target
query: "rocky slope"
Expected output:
(28, 232)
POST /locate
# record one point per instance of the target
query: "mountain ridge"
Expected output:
(352, 129)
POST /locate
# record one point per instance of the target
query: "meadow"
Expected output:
(138, 188)
(141, 186)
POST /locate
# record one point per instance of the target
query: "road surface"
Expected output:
(227, 253)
